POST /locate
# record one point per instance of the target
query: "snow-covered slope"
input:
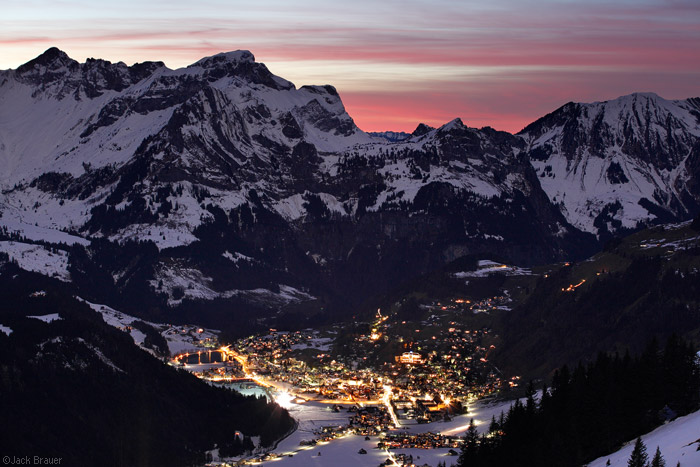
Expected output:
(223, 157)
(679, 442)
(67, 129)
(59, 115)
(47, 318)
(75, 138)
(38, 258)
(46, 105)
(179, 338)
(619, 163)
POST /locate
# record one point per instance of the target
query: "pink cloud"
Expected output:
(529, 57)
(501, 104)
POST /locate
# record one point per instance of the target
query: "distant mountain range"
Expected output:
(255, 193)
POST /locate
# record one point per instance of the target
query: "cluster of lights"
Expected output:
(573, 287)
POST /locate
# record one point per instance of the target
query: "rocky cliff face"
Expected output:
(618, 164)
(249, 190)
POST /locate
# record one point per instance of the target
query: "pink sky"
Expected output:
(501, 63)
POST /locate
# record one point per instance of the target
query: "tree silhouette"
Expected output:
(639, 457)
(658, 460)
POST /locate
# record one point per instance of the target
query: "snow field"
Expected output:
(47, 318)
(343, 452)
(37, 258)
(678, 441)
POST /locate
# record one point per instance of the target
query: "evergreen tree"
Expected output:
(586, 414)
(658, 460)
(493, 427)
(530, 394)
(471, 441)
(639, 457)
(470, 448)
(544, 400)
(472, 437)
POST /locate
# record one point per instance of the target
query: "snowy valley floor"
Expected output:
(678, 440)
(343, 452)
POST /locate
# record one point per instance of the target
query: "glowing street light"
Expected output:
(284, 400)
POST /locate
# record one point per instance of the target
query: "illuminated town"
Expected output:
(387, 375)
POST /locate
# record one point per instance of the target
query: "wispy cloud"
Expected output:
(395, 63)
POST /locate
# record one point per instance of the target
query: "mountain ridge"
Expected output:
(225, 154)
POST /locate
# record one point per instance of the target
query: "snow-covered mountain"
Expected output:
(619, 163)
(254, 190)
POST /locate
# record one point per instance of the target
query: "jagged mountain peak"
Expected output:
(239, 64)
(52, 58)
(236, 56)
(455, 123)
(54, 74)
(639, 108)
(326, 89)
(422, 129)
(636, 96)
(454, 127)
(119, 106)
(648, 108)
(643, 97)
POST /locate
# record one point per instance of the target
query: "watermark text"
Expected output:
(31, 460)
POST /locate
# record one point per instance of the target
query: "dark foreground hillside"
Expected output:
(593, 410)
(80, 390)
(643, 286)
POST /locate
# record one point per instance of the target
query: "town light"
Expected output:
(284, 400)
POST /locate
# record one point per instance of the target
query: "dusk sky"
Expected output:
(501, 63)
